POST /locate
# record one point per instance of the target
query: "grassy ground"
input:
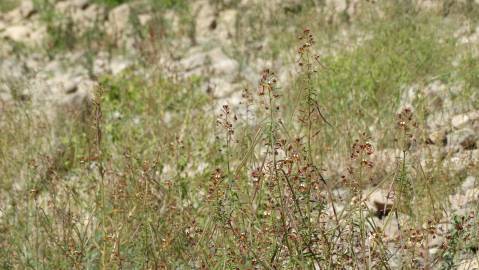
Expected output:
(8, 5)
(152, 178)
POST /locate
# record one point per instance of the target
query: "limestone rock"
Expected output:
(462, 139)
(82, 4)
(70, 87)
(223, 65)
(78, 103)
(101, 65)
(430, 156)
(17, 33)
(27, 8)
(73, 7)
(219, 70)
(205, 20)
(87, 18)
(226, 21)
(38, 35)
(337, 6)
(388, 226)
(119, 27)
(437, 137)
(466, 36)
(469, 183)
(338, 10)
(14, 16)
(408, 97)
(462, 160)
(24, 11)
(439, 120)
(436, 241)
(461, 120)
(196, 59)
(386, 159)
(464, 200)
(436, 96)
(380, 202)
(144, 18)
(214, 62)
(28, 33)
(63, 6)
(429, 5)
(117, 65)
(118, 18)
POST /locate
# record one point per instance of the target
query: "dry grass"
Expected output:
(154, 179)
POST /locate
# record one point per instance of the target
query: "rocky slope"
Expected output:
(62, 82)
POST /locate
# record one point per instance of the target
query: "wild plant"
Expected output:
(406, 125)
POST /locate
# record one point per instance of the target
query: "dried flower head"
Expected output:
(407, 123)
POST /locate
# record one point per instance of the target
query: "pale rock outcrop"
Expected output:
(380, 202)
(462, 139)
